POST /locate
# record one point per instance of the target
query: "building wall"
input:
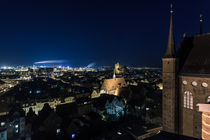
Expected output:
(112, 86)
(52, 103)
(190, 119)
(206, 126)
(169, 98)
(84, 109)
(3, 135)
(13, 131)
(119, 68)
(22, 126)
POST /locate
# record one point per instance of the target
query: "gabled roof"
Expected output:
(194, 54)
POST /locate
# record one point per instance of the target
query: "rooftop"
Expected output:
(194, 54)
(169, 136)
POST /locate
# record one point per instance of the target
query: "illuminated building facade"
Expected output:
(115, 108)
(119, 69)
(38, 105)
(205, 109)
(3, 134)
(12, 126)
(109, 107)
(112, 86)
(185, 83)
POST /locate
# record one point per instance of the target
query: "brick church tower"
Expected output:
(170, 87)
(186, 80)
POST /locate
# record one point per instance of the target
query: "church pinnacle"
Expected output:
(201, 24)
(171, 50)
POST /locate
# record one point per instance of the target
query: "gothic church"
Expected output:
(186, 84)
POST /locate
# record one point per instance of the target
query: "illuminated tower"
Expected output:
(114, 75)
(170, 95)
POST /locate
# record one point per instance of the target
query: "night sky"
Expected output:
(133, 32)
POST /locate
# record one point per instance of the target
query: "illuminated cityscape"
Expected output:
(99, 70)
(68, 98)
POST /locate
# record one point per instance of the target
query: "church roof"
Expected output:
(194, 55)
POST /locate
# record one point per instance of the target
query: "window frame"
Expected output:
(188, 100)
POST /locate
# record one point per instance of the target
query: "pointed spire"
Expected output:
(171, 50)
(114, 75)
(201, 24)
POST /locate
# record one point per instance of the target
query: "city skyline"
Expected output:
(131, 32)
(75, 70)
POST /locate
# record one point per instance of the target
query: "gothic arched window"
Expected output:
(208, 100)
(188, 100)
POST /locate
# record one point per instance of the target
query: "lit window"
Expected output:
(194, 83)
(188, 100)
(184, 82)
(2, 123)
(119, 133)
(58, 131)
(208, 100)
(204, 84)
(38, 91)
(73, 136)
